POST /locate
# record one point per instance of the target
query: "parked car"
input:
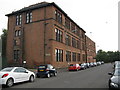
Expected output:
(91, 64)
(11, 75)
(88, 65)
(117, 66)
(114, 81)
(94, 63)
(46, 70)
(98, 63)
(83, 65)
(102, 62)
(115, 63)
(74, 67)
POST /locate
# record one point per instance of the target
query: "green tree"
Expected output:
(116, 56)
(109, 56)
(4, 41)
(101, 55)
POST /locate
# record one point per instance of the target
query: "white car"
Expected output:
(11, 75)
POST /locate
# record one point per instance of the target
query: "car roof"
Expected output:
(14, 67)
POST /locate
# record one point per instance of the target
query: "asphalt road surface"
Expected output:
(94, 77)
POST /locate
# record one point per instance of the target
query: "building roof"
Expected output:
(41, 5)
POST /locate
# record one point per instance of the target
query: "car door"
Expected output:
(17, 75)
(20, 74)
(24, 74)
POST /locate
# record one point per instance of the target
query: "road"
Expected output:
(94, 77)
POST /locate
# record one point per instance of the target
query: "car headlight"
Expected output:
(114, 84)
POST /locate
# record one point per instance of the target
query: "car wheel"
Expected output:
(109, 84)
(9, 82)
(48, 75)
(31, 79)
(37, 76)
(55, 74)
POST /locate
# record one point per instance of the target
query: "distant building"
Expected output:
(43, 33)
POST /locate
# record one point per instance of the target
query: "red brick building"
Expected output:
(43, 33)
(91, 50)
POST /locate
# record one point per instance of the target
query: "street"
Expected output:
(94, 77)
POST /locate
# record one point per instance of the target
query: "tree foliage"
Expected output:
(4, 42)
(108, 56)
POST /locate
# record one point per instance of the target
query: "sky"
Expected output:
(99, 18)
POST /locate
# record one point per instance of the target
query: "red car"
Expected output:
(74, 67)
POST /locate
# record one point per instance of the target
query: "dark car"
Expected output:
(83, 65)
(46, 70)
(114, 81)
(91, 64)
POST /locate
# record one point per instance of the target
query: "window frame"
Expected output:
(16, 55)
(59, 35)
(74, 57)
(19, 19)
(59, 55)
(68, 56)
(29, 17)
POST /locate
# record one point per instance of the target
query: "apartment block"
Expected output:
(44, 34)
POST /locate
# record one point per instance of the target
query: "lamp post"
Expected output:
(24, 63)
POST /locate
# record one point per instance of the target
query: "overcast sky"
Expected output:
(99, 18)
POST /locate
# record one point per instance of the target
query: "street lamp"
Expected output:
(24, 63)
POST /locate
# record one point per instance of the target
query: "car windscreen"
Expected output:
(7, 69)
(42, 67)
(118, 65)
(117, 72)
(72, 64)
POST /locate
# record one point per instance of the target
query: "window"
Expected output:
(8, 69)
(67, 40)
(84, 57)
(29, 17)
(73, 56)
(59, 55)
(58, 16)
(18, 19)
(78, 32)
(73, 42)
(16, 54)
(78, 44)
(68, 56)
(20, 70)
(17, 33)
(15, 42)
(78, 57)
(67, 23)
(73, 28)
(59, 35)
(83, 35)
(83, 46)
